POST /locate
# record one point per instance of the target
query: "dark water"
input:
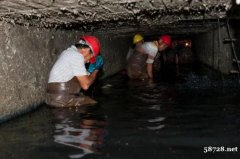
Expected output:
(173, 117)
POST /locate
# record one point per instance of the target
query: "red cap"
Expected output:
(94, 45)
(166, 39)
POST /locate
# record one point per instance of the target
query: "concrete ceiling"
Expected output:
(120, 17)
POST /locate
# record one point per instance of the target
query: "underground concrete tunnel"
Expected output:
(193, 114)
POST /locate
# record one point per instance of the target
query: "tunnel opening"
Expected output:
(208, 43)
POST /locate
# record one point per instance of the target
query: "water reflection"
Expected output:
(83, 129)
(157, 121)
(157, 101)
(164, 120)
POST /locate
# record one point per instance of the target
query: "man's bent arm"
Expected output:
(150, 70)
(86, 81)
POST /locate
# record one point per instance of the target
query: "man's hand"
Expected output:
(91, 68)
(99, 62)
(97, 65)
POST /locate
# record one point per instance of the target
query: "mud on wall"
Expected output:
(212, 51)
(27, 55)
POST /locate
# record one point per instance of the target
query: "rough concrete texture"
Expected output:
(114, 52)
(212, 51)
(26, 56)
(126, 15)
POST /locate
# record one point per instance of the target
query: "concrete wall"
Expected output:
(213, 53)
(114, 50)
(236, 27)
(27, 55)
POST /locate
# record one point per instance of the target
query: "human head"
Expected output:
(137, 38)
(93, 43)
(164, 41)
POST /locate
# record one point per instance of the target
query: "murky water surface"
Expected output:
(173, 117)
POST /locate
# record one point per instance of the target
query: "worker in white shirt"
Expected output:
(140, 64)
(69, 74)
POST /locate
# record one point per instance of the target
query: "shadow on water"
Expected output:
(172, 117)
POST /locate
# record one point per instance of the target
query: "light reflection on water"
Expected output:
(171, 119)
(81, 129)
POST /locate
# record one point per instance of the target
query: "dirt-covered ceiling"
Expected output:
(118, 16)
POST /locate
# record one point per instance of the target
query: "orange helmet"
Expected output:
(94, 45)
(166, 39)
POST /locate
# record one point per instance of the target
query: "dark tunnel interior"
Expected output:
(190, 109)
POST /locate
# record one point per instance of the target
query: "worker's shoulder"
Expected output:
(149, 46)
(72, 52)
(70, 56)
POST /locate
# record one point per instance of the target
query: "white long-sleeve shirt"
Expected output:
(69, 64)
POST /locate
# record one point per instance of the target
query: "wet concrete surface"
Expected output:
(173, 117)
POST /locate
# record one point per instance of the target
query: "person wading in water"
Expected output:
(69, 74)
(140, 63)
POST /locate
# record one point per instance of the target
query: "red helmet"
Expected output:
(94, 45)
(166, 39)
